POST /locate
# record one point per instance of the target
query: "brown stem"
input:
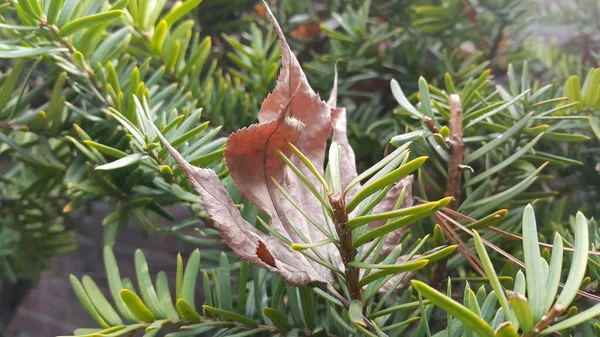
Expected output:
(347, 251)
(430, 124)
(453, 188)
(546, 320)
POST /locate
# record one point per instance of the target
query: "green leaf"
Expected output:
(505, 163)
(53, 10)
(355, 313)
(495, 111)
(90, 21)
(188, 286)
(466, 316)
(522, 311)
(136, 306)
(578, 264)
(565, 137)
(327, 297)
(158, 38)
(37, 7)
(396, 308)
(234, 316)
(22, 52)
(111, 47)
(198, 58)
(179, 277)
(112, 331)
(506, 329)
(186, 311)
(390, 269)
(311, 167)
(111, 151)
(592, 93)
(179, 11)
(498, 140)
(408, 137)
(554, 271)
(86, 302)
(491, 202)
(533, 269)
(164, 295)
(306, 181)
(18, 27)
(10, 83)
(425, 99)
(489, 220)
(572, 90)
(305, 246)
(123, 162)
(185, 137)
(223, 287)
(56, 105)
(361, 220)
(114, 283)
(242, 284)
(595, 126)
(438, 253)
(399, 152)
(279, 319)
(488, 267)
(145, 284)
(403, 101)
(308, 306)
(384, 181)
(155, 326)
(100, 302)
(394, 225)
(27, 8)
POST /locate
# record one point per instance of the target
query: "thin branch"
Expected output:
(453, 188)
(347, 250)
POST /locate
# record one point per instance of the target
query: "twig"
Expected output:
(347, 251)
(430, 124)
(453, 188)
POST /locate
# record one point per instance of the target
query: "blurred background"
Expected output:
(372, 42)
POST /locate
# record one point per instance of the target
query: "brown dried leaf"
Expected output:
(253, 161)
(295, 114)
(306, 106)
(243, 238)
(339, 125)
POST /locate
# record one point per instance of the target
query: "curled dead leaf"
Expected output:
(292, 113)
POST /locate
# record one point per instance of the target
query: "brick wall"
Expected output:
(51, 309)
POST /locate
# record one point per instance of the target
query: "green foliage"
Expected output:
(530, 314)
